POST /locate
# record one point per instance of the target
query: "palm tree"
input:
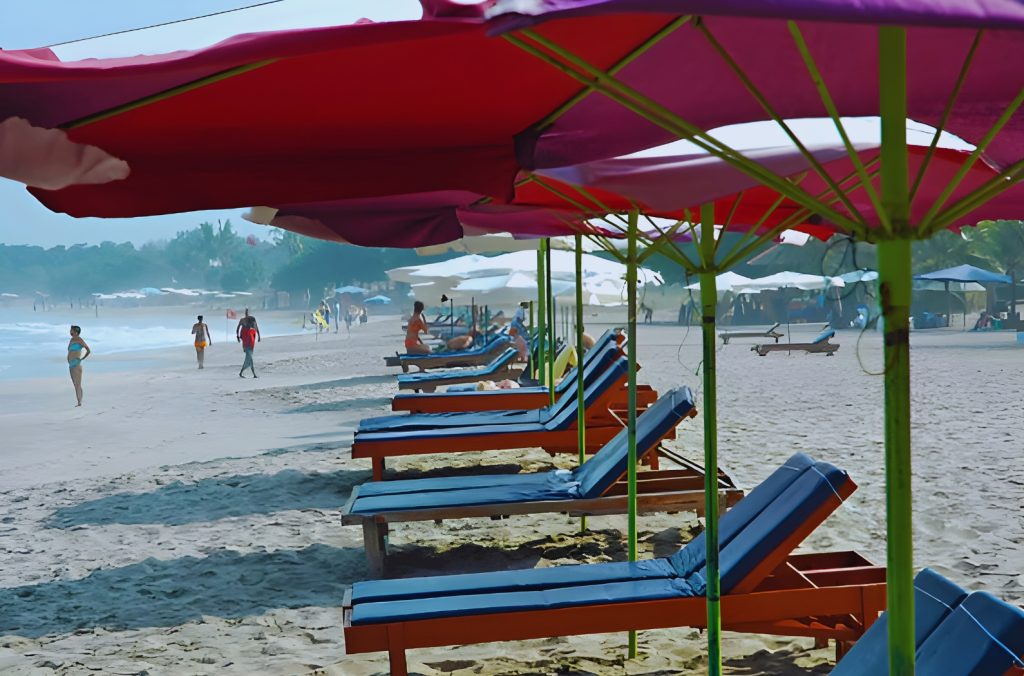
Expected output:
(1001, 244)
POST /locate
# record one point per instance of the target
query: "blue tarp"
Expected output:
(965, 273)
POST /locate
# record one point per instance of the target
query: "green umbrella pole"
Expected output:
(708, 302)
(551, 351)
(894, 280)
(709, 308)
(542, 313)
(581, 419)
(631, 263)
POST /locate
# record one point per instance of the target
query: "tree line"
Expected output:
(210, 256)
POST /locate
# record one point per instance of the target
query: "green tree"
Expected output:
(1001, 244)
(945, 250)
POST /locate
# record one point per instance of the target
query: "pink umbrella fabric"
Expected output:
(842, 37)
(397, 108)
(663, 186)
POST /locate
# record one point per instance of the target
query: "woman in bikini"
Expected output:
(202, 338)
(78, 351)
(417, 325)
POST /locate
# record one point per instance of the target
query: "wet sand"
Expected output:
(187, 521)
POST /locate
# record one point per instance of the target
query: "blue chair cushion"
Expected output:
(560, 421)
(404, 422)
(823, 336)
(693, 557)
(455, 483)
(502, 602)
(983, 635)
(500, 362)
(589, 480)
(471, 352)
(418, 598)
(557, 486)
(935, 598)
(607, 465)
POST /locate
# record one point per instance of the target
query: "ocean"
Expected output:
(34, 344)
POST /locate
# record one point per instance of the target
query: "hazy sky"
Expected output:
(47, 22)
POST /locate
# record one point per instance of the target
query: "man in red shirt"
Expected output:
(249, 334)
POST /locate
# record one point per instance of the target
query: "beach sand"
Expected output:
(187, 522)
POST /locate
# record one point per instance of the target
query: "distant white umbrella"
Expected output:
(859, 276)
(727, 281)
(563, 266)
(789, 280)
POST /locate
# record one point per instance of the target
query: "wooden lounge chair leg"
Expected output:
(396, 650)
(373, 542)
(655, 459)
(378, 468)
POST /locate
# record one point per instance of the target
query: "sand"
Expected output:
(186, 522)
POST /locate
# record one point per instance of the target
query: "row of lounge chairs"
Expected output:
(766, 587)
(552, 428)
(822, 343)
(595, 487)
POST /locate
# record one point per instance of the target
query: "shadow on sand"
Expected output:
(345, 382)
(179, 503)
(343, 405)
(782, 663)
(157, 593)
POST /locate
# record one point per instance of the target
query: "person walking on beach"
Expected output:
(417, 325)
(78, 351)
(246, 320)
(249, 335)
(202, 338)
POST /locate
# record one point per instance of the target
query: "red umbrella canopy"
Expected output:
(304, 115)
(764, 41)
(563, 201)
(412, 107)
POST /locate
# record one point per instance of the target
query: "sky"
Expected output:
(49, 22)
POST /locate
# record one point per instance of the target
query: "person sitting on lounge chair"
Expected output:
(417, 325)
(984, 322)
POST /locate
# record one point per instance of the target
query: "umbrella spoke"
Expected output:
(957, 86)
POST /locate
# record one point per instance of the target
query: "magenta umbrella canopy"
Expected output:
(842, 37)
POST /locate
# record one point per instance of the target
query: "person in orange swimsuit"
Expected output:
(417, 325)
(202, 338)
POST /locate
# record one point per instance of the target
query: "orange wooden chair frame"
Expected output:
(602, 425)
(825, 596)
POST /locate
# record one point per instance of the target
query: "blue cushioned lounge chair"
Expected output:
(956, 634)
(822, 344)
(593, 488)
(567, 400)
(554, 434)
(475, 356)
(535, 396)
(500, 367)
(765, 588)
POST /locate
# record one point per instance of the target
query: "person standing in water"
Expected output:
(202, 338)
(417, 325)
(249, 335)
(78, 351)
